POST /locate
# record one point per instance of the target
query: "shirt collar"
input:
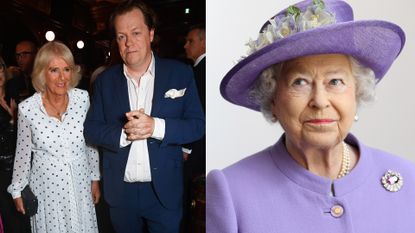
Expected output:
(150, 70)
(199, 59)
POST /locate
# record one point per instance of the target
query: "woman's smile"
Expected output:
(320, 121)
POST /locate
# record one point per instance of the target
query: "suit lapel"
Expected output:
(121, 91)
(160, 85)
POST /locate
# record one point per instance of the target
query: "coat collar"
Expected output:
(161, 81)
(318, 184)
(121, 89)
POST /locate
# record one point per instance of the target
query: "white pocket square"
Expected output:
(174, 93)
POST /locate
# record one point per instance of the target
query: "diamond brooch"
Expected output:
(392, 181)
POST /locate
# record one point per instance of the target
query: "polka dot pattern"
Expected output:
(62, 166)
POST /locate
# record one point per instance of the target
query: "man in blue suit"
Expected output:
(141, 112)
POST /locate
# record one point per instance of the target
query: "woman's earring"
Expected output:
(274, 118)
(356, 117)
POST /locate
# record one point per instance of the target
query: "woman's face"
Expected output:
(315, 100)
(57, 76)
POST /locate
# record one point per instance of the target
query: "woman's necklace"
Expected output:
(345, 169)
(58, 111)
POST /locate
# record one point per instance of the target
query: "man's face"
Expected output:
(25, 56)
(134, 39)
(195, 45)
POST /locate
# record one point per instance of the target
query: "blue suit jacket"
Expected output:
(184, 120)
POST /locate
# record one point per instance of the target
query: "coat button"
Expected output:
(337, 211)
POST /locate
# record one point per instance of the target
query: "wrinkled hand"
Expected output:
(18, 202)
(96, 192)
(139, 126)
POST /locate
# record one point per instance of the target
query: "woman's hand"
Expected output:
(18, 202)
(11, 109)
(96, 192)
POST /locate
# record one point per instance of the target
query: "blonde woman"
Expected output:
(64, 170)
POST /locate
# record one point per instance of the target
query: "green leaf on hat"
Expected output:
(293, 10)
(319, 3)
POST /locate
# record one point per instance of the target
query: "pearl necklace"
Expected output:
(345, 169)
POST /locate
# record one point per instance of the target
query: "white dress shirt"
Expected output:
(141, 96)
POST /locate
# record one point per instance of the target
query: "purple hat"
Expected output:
(309, 28)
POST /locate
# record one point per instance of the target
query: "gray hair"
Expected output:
(263, 91)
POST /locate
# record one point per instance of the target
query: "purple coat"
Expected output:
(269, 192)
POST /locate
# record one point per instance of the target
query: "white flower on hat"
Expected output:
(315, 17)
(294, 21)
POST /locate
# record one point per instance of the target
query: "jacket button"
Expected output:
(337, 211)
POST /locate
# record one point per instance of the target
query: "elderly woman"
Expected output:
(63, 173)
(310, 69)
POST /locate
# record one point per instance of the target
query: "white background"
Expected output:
(235, 132)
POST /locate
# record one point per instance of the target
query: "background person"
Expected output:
(194, 153)
(13, 221)
(21, 86)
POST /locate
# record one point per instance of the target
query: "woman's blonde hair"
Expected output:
(45, 54)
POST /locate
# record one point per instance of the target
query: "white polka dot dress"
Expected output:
(62, 166)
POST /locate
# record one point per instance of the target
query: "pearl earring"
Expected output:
(356, 117)
(274, 118)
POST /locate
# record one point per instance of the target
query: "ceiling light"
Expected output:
(50, 35)
(80, 44)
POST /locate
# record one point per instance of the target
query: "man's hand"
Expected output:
(139, 126)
